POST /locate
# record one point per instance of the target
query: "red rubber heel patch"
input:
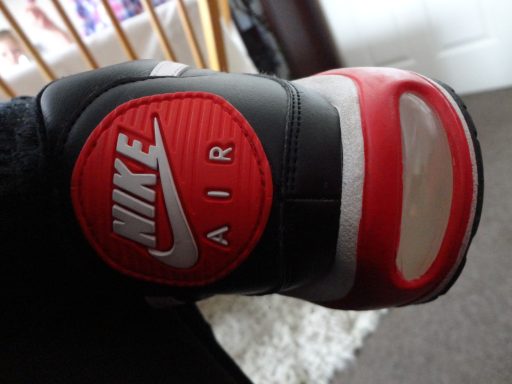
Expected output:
(173, 188)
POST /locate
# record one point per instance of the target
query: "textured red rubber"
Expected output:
(173, 188)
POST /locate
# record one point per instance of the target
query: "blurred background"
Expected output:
(465, 43)
(466, 335)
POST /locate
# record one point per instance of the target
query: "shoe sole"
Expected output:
(377, 282)
(458, 103)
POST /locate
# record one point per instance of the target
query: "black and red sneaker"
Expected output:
(355, 188)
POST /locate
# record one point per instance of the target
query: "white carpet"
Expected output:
(277, 339)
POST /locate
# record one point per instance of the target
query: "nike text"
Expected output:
(134, 195)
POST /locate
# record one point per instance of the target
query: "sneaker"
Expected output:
(353, 189)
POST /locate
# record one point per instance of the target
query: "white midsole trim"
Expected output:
(342, 93)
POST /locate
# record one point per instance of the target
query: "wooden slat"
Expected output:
(157, 27)
(225, 10)
(27, 44)
(210, 20)
(6, 88)
(190, 35)
(125, 43)
(84, 50)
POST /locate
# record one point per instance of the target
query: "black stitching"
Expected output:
(298, 121)
(282, 261)
(290, 142)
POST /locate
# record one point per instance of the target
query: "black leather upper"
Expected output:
(300, 134)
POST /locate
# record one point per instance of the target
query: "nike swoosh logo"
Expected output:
(183, 253)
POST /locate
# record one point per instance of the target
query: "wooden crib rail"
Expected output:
(121, 35)
(82, 47)
(210, 20)
(44, 68)
(190, 35)
(159, 31)
(6, 88)
(210, 11)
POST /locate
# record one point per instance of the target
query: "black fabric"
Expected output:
(25, 216)
(68, 339)
(20, 147)
(51, 330)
